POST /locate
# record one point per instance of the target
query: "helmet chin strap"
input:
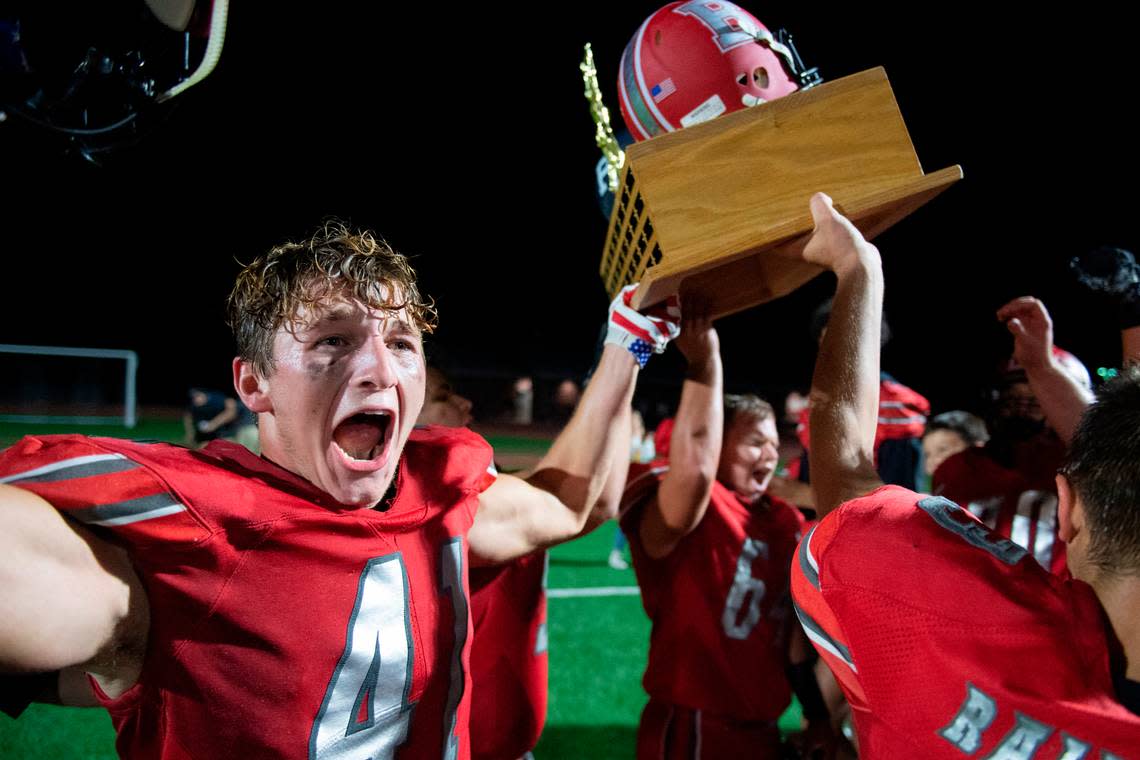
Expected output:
(764, 37)
(782, 45)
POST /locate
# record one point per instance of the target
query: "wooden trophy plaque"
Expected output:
(721, 208)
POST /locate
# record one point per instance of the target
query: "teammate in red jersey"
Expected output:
(949, 640)
(508, 657)
(312, 602)
(712, 553)
(508, 613)
(1008, 483)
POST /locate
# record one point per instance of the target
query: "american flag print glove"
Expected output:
(643, 333)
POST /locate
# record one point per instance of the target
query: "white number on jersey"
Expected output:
(744, 586)
(451, 583)
(366, 712)
(1035, 525)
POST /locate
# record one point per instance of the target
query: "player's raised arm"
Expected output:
(694, 446)
(606, 505)
(1061, 397)
(554, 502)
(845, 385)
(67, 598)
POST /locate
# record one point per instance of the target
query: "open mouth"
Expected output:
(760, 475)
(362, 436)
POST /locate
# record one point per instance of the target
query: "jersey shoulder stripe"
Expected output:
(129, 510)
(73, 467)
(808, 565)
(98, 482)
(822, 639)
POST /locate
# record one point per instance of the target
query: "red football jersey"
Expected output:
(283, 624)
(718, 603)
(1017, 505)
(508, 658)
(949, 640)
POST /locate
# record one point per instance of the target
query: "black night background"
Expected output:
(462, 136)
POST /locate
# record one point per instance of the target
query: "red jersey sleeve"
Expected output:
(641, 483)
(641, 486)
(96, 482)
(818, 620)
(452, 460)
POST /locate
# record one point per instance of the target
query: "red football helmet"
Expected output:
(1013, 396)
(693, 61)
(1012, 371)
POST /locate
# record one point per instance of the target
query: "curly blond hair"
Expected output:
(276, 289)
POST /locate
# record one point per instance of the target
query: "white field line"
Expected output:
(569, 593)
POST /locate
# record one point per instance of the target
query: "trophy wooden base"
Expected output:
(721, 208)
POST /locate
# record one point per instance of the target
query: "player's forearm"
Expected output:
(800, 670)
(577, 467)
(1062, 399)
(228, 414)
(845, 387)
(694, 448)
(606, 506)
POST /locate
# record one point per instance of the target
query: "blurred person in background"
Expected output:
(213, 414)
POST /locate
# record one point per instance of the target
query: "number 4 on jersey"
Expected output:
(366, 712)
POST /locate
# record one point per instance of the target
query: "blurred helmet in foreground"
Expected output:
(97, 75)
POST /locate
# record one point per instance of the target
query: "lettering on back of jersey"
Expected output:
(1075, 749)
(977, 713)
(973, 718)
(1022, 741)
(956, 520)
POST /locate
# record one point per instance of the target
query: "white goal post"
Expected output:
(127, 418)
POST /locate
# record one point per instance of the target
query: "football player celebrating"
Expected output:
(947, 639)
(311, 602)
(712, 552)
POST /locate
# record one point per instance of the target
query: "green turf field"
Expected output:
(597, 652)
(146, 430)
